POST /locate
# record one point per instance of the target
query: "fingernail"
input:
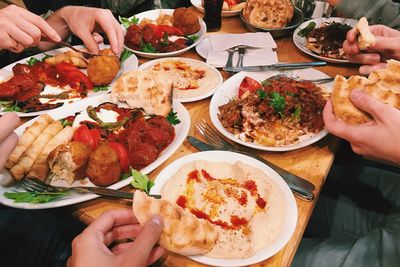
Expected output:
(57, 38)
(355, 94)
(157, 219)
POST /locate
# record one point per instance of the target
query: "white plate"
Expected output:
(181, 131)
(211, 91)
(130, 63)
(225, 13)
(229, 89)
(300, 42)
(153, 15)
(230, 157)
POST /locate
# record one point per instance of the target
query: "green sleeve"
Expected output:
(121, 7)
(384, 12)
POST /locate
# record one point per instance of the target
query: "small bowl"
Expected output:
(297, 19)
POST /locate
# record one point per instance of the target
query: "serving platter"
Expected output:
(300, 41)
(231, 157)
(153, 15)
(131, 63)
(230, 87)
(224, 13)
(181, 131)
(195, 64)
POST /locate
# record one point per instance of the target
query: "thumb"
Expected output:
(367, 103)
(385, 44)
(150, 233)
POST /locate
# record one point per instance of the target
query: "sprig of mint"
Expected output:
(141, 181)
(126, 22)
(172, 117)
(34, 197)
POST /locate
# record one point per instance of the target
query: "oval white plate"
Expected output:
(153, 15)
(130, 63)
(230, 157)
(229, 89)
(225, 13)
(181, 131)
(149, 64)
(300, 42)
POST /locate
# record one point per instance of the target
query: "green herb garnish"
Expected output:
(165, 39)
(278, 103)
(306, 30)
(141, 181)
(193, 37)
(100, 88)
(126, 22)
(261, 94)
(9, 106)
(265, 83)
(296, 113)
(46, 57)
(125, 55)
(147, 48)
(34, 197)
(173, 118)
(65, 122)
(32, 61)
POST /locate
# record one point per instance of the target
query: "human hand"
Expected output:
(387, 46)
(20, 29)
(8, 139)
(378, 139)
(90, 248)
(84, 21)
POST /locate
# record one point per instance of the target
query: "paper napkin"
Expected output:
(253, 57)
(221, 42)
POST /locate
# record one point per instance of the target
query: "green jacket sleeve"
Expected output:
(384, 12)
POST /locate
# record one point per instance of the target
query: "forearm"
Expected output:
(384, 12)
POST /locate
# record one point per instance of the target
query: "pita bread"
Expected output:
(149, 90)
(383, 84)
(365, 38)
(183, 233)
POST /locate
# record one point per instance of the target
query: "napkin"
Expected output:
(221, 42)
(253, 57)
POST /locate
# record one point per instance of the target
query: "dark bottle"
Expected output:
(212, 14)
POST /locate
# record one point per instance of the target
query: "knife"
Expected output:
(278, 66)
(298, 190)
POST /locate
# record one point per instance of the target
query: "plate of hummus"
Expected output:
(193, 79)
(248, 203)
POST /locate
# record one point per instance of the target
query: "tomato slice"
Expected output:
(84, 135)
(248, 84)
(170, 30)
(96, 136)
(122, 154)
(231, 3)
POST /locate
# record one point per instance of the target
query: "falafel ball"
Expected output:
(103, 69)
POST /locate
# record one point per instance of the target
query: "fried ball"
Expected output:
(103, 168)
(186, 20)
(103, 69)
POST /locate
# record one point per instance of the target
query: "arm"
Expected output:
(384, 12)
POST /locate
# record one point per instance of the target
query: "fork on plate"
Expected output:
(32, 185)
(297, 184)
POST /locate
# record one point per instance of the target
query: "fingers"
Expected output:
(155, 254)
(98, 38)
(369, 104)
(364, 58)
(113, 30)
(43, 26)
(112, 218)
(126, 231)
(351, 35)
(8, 123)
(6, 147)
(144, 243)
(86, 36)
(367, 69)
(121, 248)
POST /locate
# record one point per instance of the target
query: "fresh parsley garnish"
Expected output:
(141, 181)
(10, 106)
(100, 88)
(193, 37)
(126, 22)
(173, 118)
(32, 61)
(265, 83)
(165, 39)
(306, 30)
(147, 48)
(65, 122)
(278, 103)
(261, 94)
(296, 113)
(34, 197)
(125, 55)
(46, 56)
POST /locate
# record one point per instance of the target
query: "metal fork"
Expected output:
(229, 62)
(31, 185)
(297, 184)
(242, 51)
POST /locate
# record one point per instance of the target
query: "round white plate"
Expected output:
(151, 63)
(225, 13)
(129, 64)
(153, 15)
(229, 89)
(300, 42)
(230, 157)
(181, 131)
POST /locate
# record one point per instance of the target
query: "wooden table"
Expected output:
(312, 162)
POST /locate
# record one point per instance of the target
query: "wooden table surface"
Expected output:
(312, 162)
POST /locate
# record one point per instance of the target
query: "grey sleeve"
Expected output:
(121, 6)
